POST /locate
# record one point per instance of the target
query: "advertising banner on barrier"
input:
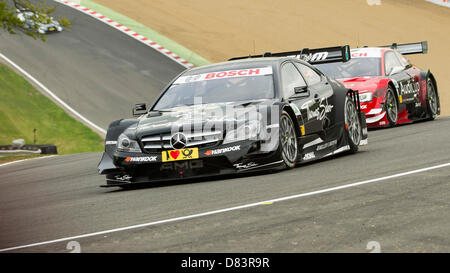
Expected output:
(445, 3)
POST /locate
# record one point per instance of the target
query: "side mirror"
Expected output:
(301, 91)
(395, 70)
(139, 109)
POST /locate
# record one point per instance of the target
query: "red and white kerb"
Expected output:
(166, 52)
(260, 71)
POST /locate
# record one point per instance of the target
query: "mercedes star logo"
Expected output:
(178, 141)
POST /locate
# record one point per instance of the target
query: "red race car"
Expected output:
(391, 90)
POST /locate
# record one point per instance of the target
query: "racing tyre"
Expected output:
(431, 100)
(391, 106)
(352, 125)
(288, 140)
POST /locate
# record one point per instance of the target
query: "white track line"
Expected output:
(22, 160)
(229, 209)
(141, 38)
(51, 94)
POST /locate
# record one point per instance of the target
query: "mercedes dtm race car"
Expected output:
(392, 91)
(252, 113)
(31, 22)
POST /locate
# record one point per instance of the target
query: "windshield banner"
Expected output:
(250, 72)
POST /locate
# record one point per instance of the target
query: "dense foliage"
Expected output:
(42, 14)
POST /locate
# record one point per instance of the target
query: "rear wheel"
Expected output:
(391, 107)
(288, 140)
(352, 125)
(431, 100)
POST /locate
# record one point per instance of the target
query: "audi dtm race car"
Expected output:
(392, 91)
(251, 113)
(31, 22)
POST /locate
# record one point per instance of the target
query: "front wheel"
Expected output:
(352, 125)
(288, 140)
(391, 107)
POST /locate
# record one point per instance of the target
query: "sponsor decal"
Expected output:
(302, 130)
(261, 71)
(366, 53)
(141, 159)
(382, 122)
(111, 142)
(418, 104)
(183, 154)
(400, 98)
(223, 150)
(363, 106)
(125, 177)
(359, 54)
(409, 88)
(319, 56)
(241, 166)
(321, 111)
(193, 164)
(326, 145)
(309, 156)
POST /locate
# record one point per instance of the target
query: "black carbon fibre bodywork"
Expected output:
(318, 119)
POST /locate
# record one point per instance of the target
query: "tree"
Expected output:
(40, 14)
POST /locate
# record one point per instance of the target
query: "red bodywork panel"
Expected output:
(374, 109)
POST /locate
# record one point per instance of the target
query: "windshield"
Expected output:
(356, 67)
(217, 87)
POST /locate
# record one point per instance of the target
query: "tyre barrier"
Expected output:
(29, 149)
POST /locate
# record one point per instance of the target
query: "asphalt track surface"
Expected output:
(51, 198)
(59, 197)
(97, 70)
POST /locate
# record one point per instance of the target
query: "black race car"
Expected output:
(251, 113)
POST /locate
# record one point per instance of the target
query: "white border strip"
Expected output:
(27, 159)
(52, 95)
(166, 52)
(229, 209)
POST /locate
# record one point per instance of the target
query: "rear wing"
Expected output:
(412, 48)
(312, 56)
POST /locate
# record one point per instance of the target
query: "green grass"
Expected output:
(23, 109)
(6, 159)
